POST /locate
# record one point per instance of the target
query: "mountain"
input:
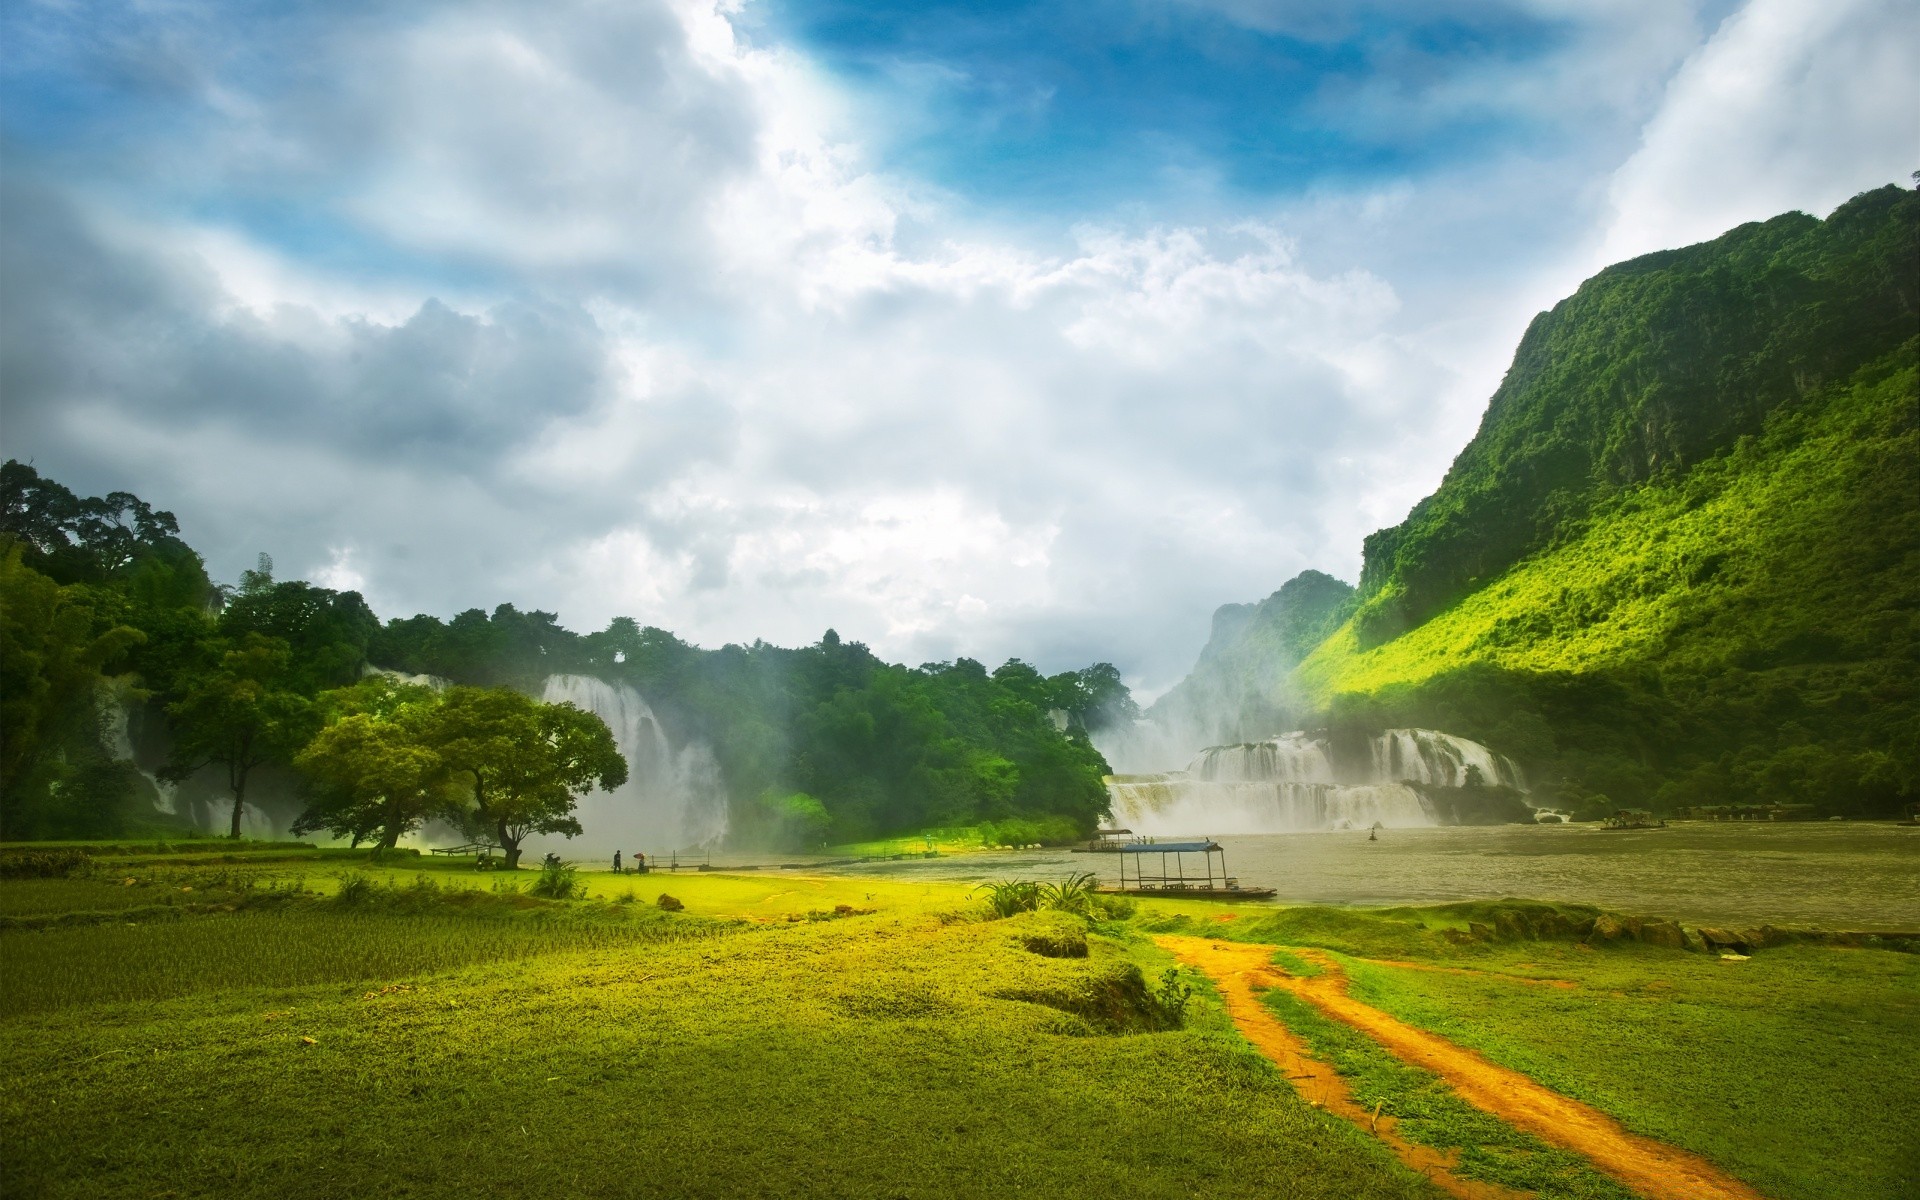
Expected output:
(1679, 563)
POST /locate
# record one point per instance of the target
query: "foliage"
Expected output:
(1747, 633)
(1651, 368)
(815, 744)
(555, 882)
(239, 715)
(55, 642)
(327, 632)
(374, 777)
(525, 761)
(1171, 996)
(50, 863)
(1074, 894)
(1010, 897)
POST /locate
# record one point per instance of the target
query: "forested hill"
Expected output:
(1652, 367)
(1679, 564)
(107, 610)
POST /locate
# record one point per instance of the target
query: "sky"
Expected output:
(987, 329)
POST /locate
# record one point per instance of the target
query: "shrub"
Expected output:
(1171, 997)
(44, 864)
(354, 889)
(556, 881)
(1009, 897)
(1074, 894)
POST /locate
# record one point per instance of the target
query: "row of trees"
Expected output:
(821, 742)
(381, 758)
(105, 606)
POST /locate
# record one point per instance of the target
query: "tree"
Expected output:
(375, 775)
(239, 715)
(526, 762)
(53, 645)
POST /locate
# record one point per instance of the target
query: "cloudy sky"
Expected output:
(1033, 329)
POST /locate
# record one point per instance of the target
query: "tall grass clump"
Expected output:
(1074, 894)
(1011, 897)
(555, 882)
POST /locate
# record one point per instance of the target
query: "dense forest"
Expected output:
(109, 614)
(1679, 564)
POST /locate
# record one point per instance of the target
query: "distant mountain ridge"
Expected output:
(1679, 564)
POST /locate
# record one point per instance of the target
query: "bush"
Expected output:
(556, 881)
(1171, 997)
(44, 864)
(355, 889)
(1074, 894)
(1010, 897)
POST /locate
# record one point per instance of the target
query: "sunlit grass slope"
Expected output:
(1799, 544)
(499, 1047)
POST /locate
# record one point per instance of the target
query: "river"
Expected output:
(1838, 875)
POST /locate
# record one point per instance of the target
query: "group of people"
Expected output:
(638, 867)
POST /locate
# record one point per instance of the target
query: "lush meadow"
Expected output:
(306, 1024)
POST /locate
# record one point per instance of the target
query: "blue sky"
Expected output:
(1117, 104)
(1035, 330)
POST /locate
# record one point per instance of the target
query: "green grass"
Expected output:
(289, 947)
(468, 1040)
(1792, 1071)
(1795, 1070)
(1749, 550)
(917, 1051)
(1431, 1114)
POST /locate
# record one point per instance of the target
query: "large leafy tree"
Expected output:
(53, 644)
(376, 777)
(526, 762)
(240, 714)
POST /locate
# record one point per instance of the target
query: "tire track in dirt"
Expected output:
(1651, 1168)
(1318, 1082)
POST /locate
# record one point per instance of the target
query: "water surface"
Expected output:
(1852, 875)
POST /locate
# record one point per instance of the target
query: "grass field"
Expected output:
(789, 1035)
(902, 1052)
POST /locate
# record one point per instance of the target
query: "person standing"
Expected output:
(616, 862)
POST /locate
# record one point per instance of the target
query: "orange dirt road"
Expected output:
(1652, 1169)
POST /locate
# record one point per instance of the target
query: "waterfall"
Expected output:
(1441, 759)
(1292, 784)
(673, 798)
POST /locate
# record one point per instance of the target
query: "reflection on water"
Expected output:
(1855, 875)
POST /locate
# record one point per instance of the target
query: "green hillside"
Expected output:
(1679, 563)
(1651, 368)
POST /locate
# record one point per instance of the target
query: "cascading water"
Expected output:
(672, 800)
(1291, 784)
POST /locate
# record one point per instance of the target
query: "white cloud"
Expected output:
(1792, 104)
(625, 322)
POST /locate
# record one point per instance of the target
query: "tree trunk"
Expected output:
(508, 843)
(239, 802)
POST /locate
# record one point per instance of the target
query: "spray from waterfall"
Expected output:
(673, 800)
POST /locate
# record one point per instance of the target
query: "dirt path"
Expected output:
(1652, 1169)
